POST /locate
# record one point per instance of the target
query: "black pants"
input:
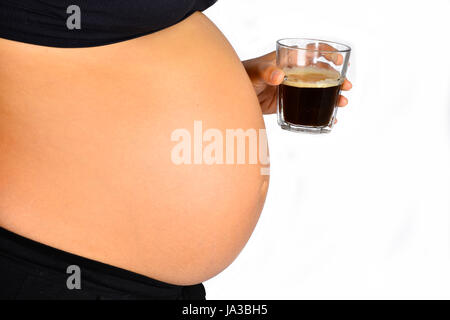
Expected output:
(32, 270)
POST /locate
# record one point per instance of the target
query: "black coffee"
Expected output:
(308, 96)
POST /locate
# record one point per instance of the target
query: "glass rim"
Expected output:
(347, 48)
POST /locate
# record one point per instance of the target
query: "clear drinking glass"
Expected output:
(315, 71)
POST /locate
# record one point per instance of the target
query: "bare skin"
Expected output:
(85, 150)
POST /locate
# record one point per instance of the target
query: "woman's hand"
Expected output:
(265, 77)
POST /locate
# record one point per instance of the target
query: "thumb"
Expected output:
(270, 74)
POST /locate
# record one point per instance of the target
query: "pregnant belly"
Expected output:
(124, 153)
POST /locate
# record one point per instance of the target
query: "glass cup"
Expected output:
(315, 71)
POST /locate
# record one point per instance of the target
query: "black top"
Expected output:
(87, 23)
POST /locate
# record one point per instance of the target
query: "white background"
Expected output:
(363, 212)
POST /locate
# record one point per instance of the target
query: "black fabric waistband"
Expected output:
(39, 259)
(88, 23)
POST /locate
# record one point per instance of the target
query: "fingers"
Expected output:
(268, 100)
(263, 70)
(271, 103)
(328, 52)
(347, 85)
(342, 101)
(270, 74)
(323, 50)
(288, 58)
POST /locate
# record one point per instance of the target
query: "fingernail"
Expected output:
(275, 77)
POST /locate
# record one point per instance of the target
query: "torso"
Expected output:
(85, 151)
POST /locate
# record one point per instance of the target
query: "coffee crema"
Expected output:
(308, 95)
